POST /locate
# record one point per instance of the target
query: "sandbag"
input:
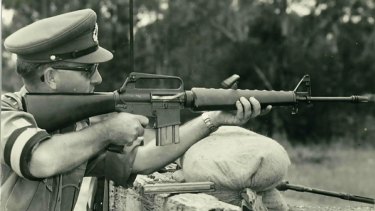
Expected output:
(235, 159)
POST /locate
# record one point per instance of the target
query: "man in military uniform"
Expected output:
(44, 171)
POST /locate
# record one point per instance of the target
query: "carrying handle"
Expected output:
(131, 80)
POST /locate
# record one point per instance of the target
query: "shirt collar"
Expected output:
(23, 91)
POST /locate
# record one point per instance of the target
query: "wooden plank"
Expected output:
(200, 201)
(132, 199)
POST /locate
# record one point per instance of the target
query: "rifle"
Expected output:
(58, 110)
(284, 186)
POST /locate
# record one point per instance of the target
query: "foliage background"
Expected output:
(271, 44)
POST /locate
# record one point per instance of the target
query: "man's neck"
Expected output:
(37, 89)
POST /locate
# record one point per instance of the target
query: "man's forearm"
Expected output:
(151, 157)
(64, 152)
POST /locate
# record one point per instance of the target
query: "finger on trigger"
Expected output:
(143, 120)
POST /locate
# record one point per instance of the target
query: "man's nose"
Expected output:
(96, 78)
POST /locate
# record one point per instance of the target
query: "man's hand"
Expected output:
(246, 109)
(124, 128)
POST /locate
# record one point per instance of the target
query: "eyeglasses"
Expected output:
(88, 69)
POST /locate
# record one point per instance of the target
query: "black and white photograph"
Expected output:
(187, 105)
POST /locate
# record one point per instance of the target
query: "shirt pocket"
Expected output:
(28, 195)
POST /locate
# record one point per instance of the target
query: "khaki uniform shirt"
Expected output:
(21, 191)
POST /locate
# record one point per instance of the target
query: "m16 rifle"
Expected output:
(58, 110)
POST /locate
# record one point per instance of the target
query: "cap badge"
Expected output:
(95, 33)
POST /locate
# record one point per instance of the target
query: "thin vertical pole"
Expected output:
(131, 36)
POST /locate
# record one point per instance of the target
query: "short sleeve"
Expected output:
(19, 136)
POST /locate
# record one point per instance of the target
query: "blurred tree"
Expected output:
(270, 43)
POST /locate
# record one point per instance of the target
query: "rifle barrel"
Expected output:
(286, 186)
(352, 99)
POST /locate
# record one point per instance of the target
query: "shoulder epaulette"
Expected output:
(10, 101)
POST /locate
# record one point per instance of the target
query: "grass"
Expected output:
(336, 168)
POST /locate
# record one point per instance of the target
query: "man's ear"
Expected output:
(50, 78)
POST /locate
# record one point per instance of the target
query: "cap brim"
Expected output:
(98, 56)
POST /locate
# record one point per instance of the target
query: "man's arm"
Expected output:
(64, 152)
(150, 157)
